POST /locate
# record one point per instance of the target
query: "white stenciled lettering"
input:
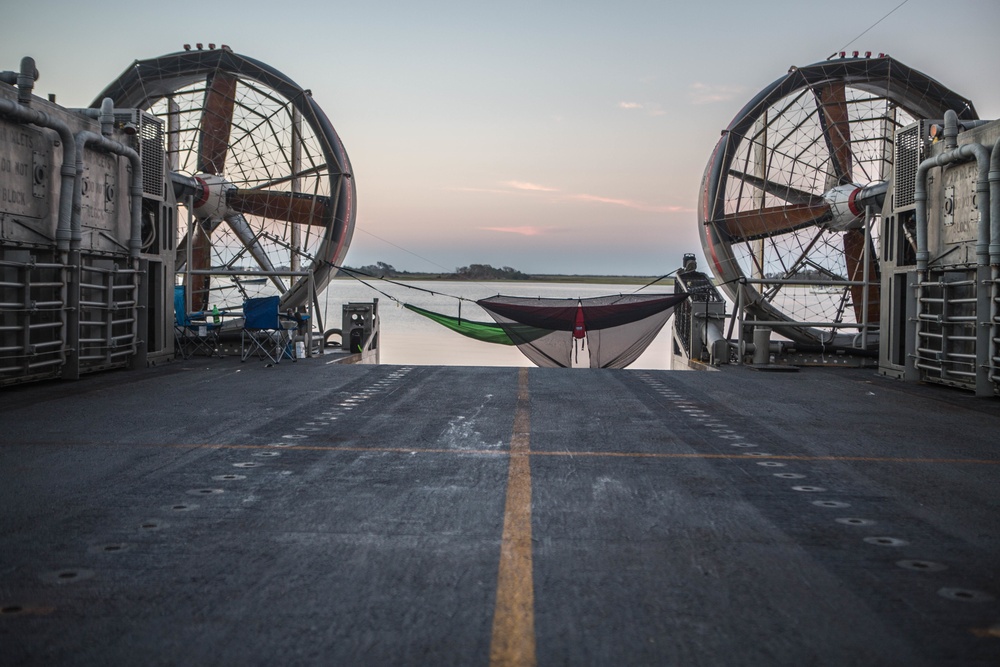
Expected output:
(12, 196)
(21, 139)
(16, 138)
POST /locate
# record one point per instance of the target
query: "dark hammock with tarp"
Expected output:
(615, 330)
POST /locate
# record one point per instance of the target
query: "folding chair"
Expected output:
(265, 332)
(193, 333)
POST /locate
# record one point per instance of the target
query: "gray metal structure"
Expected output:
(86, 237)
(360, 330)
(697, 332)
(941, 256)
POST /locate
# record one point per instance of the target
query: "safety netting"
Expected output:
(613, 330)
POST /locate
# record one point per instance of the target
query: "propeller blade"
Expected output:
(216, 123)
(786, 192)
(247, 237)
(201, 259)
(854, 254)
(833, 117)
(292, 207)
(765, 222)
(180, 255)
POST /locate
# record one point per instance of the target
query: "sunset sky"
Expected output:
(549, 137)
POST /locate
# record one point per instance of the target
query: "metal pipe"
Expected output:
(984, 200)
(960, 154)
(33, 265)
(235, 272)
(761, 345)
(741, 342)
(865, 277)
(966, 374)
(994, 324)
(994, 207)
(43, 364)
(785, 323)
(950, 129)
(801, 281)
(929, 367)
(107, 116)
(47, 344)
(945, 284)
(26, 80)
(115, 270)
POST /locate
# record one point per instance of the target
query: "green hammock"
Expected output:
(488, 332)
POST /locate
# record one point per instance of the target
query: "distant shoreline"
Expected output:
(541, 278)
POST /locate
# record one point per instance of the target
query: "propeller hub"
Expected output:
(848, 202)
(212, 201)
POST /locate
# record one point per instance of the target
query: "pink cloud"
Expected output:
(628, 203)
(487, 190)
(523, 231)
(705, 93)
(597, 199)
(521, 185)
(651, 108)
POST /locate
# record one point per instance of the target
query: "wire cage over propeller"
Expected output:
(261, 169)
(791, 195)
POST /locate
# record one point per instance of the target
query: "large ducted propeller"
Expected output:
(244, 142)
(840, 208)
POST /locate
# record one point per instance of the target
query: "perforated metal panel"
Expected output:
(151, 150)
(149, 144)
(909, 152)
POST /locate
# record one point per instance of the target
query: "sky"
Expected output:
(551, 137)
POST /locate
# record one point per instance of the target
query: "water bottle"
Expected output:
(216, 317)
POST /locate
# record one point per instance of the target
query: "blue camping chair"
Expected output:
(193, 333)
(266, 333)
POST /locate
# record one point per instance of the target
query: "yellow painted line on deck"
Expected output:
(513, 640)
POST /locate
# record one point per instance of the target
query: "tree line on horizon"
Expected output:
(470, 272)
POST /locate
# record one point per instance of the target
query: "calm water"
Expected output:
(408, 338)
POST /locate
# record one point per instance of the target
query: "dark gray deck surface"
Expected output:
(219, 513)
